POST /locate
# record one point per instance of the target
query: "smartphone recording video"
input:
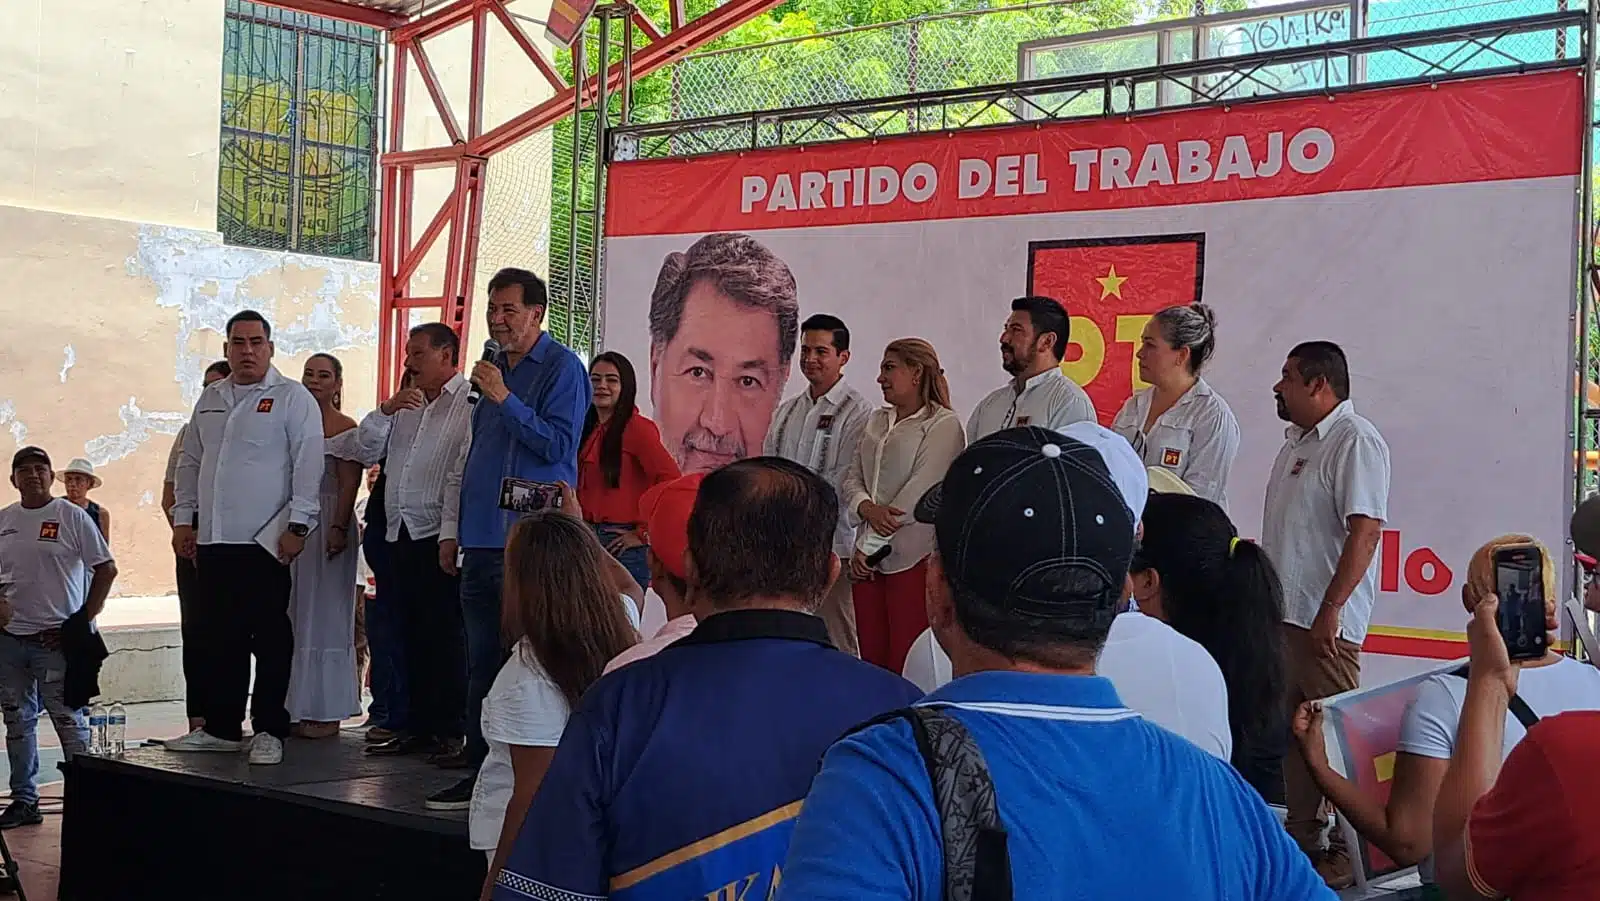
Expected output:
(525, 496)
(1519, 583)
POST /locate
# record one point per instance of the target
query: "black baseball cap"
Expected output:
(1585, 527)
(29, 454)
(1031, 522)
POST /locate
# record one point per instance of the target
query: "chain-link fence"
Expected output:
(979, 47)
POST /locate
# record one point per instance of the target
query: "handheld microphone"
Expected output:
(491, 347)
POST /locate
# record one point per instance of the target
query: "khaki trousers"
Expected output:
(1312, 677)
(839, 612)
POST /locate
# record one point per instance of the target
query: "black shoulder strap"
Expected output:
(1518, 707)
(977, 864)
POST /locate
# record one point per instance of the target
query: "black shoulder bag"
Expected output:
(977, 866)
(1519, 708)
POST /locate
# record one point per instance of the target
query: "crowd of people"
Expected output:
(997, 637)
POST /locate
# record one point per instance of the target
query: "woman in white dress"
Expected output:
(1179, 423)
(323, 690)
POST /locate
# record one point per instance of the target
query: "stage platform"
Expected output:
(328, 822)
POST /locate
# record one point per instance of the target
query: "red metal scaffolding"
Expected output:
(400, 248)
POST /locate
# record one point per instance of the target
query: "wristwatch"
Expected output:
(298, 529)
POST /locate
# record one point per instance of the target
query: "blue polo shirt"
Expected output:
(1096, 801)
(680, 776)
(532, 435)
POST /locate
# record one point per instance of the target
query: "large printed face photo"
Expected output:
(723, 323)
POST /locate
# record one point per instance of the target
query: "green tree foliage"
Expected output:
(795, 55)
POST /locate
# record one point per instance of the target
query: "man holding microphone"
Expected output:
(251, 470)
(525, 425)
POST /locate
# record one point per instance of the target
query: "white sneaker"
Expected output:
(266, 749)
(201, 740)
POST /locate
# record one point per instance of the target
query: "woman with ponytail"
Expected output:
(1179, 423)
(1193, 571)
(905, 448)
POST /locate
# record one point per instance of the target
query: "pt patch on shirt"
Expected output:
(825, 422)
(1023, 420)
(264, 405)
(50, 530)
(1170, 456)
(1298, 467)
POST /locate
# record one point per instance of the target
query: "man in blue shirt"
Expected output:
(526, 426)
(680, 776)
(1034, 542)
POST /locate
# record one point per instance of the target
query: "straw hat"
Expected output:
(1163, 481)
(81, 467)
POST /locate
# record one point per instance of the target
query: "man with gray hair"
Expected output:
(724, 318)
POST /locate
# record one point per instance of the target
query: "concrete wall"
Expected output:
(117, 284)
(111, 109)
(111, 323)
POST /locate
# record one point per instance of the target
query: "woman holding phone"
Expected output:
(905, 448)
(1403, 828)
(620, 457)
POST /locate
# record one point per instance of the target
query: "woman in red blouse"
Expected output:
(621, 457)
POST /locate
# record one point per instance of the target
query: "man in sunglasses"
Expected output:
(1585, 529)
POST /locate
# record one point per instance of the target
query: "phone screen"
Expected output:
(527, 496)
(1519, 582)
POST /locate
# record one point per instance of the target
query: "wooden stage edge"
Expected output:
(330, 821)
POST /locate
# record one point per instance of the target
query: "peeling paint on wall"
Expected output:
(208, 281)
(69, 357)
(8, 417)
(137, 427)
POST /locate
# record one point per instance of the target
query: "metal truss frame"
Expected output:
(1205, 82)
(401, 249)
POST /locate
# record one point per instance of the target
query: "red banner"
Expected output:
(1451, 133)
(1112, 286)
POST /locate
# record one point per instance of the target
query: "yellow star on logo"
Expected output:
(1111, 284)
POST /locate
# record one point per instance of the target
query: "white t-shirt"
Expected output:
(46, 555)
(1429, 727)
(1170, 679)
(524, 707)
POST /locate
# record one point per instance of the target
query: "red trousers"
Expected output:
(891, 611)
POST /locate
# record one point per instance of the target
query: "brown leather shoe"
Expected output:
(378, 735)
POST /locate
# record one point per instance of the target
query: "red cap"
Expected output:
(665, 510)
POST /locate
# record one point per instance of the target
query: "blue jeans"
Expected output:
(387, 647)
(635, 559)
(31, 675)
(481, 573)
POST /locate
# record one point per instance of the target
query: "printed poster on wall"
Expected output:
(1428, 230)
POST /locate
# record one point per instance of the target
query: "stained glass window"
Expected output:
(300, 132)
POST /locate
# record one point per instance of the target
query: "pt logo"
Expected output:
(1111, 287)
(1170, 456)
(50, 530)
(264, 406)
(1298, 467)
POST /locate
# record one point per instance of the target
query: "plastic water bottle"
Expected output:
(117, 730)
(97, 729)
